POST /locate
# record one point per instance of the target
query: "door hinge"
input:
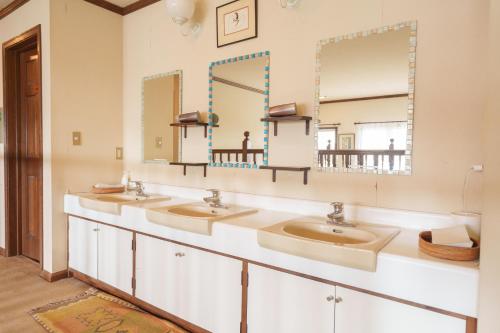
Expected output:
(133, 283)
(133, 244)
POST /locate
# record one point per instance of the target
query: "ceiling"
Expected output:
(4, 3)
(121, 3)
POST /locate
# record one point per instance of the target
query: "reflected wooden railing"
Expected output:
(241, 155)
(359, 158)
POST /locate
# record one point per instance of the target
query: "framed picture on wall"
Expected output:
(346, 141)
(236, 22)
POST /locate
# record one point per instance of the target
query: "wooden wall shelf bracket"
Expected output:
(305, 170)
(185, 165)
(186, 125)
(276, 120)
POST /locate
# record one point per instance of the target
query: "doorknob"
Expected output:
(338, 300)
(330, 298)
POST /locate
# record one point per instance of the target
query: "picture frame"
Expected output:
(236, 21)
(346, 141)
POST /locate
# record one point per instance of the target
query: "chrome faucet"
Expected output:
(138, 188)
(337, 216)
(215, 199)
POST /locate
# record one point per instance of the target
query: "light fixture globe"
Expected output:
(180, 10)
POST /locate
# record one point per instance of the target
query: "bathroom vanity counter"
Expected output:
(402, 272)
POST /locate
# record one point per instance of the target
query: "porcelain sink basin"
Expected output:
(112, 203)
(355, 247)
(194, 217)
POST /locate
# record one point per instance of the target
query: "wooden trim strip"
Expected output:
(306, 276)
(238, 85)
(107, 5)
(362, 98)
(471, 325)
(10, 8)
(136, 301)
(53, 277)
(137, 5)
(244, 298)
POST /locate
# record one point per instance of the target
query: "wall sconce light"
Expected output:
(288, 3)
(181, 12)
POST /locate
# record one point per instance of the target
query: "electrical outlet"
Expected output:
(119, 153)
(77, 138)
(158, 142)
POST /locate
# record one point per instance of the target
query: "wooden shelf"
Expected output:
(305, 170)
(185, 165)
(276, 120)
(186, 125)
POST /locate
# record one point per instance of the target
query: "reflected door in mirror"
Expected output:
(161, 107)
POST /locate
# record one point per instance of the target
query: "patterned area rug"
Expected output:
(95, 312)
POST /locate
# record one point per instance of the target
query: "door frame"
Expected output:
(11, 77)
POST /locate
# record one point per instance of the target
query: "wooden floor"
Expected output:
(21, 289)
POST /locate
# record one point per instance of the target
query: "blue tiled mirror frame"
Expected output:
(265, 162)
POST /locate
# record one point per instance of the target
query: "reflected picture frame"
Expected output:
(346, 141)
(236, 21)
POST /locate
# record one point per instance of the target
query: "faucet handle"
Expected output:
(338, 207)
(215, 192)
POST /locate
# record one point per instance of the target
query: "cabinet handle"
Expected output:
(338, 300)
(180, 254)
(96, 229)
(330, 298)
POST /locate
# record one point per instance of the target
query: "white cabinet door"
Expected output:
(83, 246)
(197, 286)
(115, 257)
(151, 271)
(363, 313)
(284, 303)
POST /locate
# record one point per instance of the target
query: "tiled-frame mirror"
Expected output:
(238, 99)
(364, 101)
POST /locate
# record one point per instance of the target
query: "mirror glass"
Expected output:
(239, 90)
(365, 101)
(161, 104)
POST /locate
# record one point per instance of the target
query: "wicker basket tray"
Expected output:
(447, 252)
(110, 190)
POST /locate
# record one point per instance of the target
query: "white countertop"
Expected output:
(402, 270)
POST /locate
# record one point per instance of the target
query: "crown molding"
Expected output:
(122, 10)
(133, 7)
(10, 8)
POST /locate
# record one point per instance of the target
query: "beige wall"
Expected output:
(366, 66)
(31, 14)
(489, 305)
(87, 97)
(449, 96)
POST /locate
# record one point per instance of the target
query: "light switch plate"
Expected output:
(119, 153)
(77, 138)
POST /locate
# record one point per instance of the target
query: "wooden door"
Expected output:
(285, 303)
(30, 154)
(83, 246)
(362, 313)
(115, 257)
